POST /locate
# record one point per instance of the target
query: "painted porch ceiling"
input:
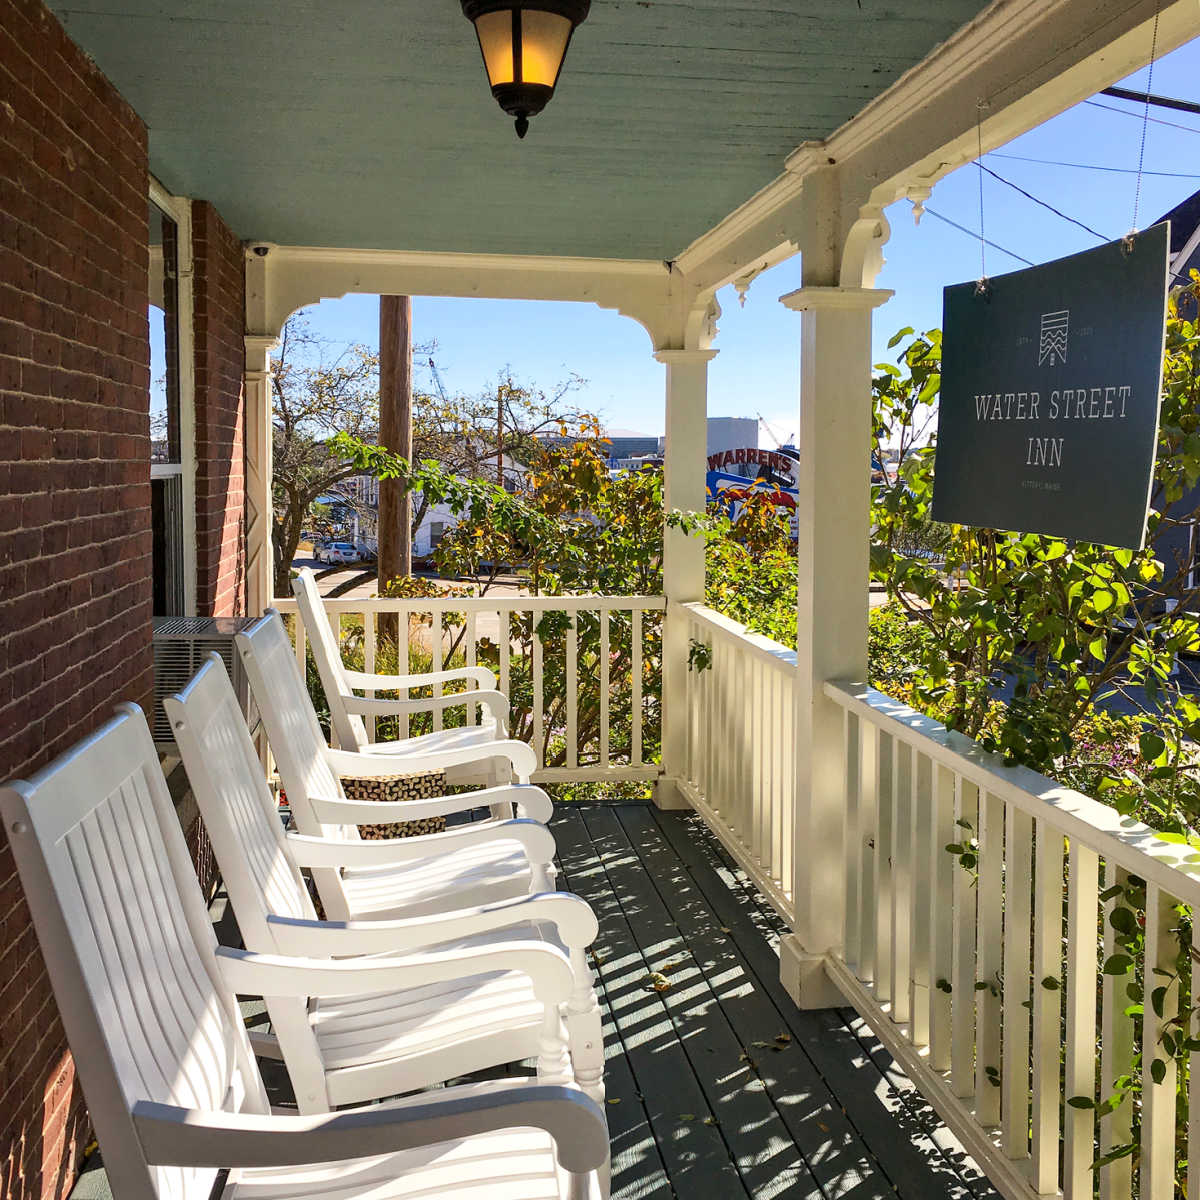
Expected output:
(369, 123)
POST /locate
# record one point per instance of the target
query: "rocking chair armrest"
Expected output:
(535, 839)
(173, 1136)
(571, 916)
(482, 677)
(495, 702)
(246, 973)
(530, 801)
(375, 763)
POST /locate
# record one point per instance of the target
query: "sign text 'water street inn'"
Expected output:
(1048, 417)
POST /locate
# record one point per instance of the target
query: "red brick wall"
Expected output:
(220, 299)
(75, 542)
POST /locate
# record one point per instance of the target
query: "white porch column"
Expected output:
(260, 560)
(834, 531)
(683, 556)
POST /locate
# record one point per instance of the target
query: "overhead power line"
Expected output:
(1054, 162)
(1153, 120)
(971, 233)
(1056, 211)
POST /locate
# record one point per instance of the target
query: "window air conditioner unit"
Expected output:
(181, 646)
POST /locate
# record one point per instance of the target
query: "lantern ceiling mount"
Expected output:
(524, 43)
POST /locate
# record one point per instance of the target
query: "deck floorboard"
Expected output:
(824, 1115)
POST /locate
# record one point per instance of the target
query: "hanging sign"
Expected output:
(1048, 417)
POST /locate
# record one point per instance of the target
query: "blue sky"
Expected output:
(756, 371)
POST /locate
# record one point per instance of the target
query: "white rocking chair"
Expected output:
(347, 709)
(510, 999)
(484, 870)
(149, 1003)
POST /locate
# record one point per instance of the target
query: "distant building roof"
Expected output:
(1184, 218)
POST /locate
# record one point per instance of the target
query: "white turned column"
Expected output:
(833, 511)
(684, 466)
(260, 563)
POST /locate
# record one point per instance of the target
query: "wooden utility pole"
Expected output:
(500, 434)
(395, 433)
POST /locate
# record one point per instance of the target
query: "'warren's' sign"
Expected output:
(1048, 416)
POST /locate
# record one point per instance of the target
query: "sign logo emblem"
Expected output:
(1052, 344)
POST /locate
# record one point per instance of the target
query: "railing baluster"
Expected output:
(1018, 915)
(923, 913)
(707, 699)
(868, 827)
(719, 756)
(536, 681)
(758, 801)
(884, 816)
(902, 880)
(1161, 1004)
(1116, 1054)
(850, 757)
(505, 636)
(335, 626)
(300, 640)
(403, 636)
(369, 661)
(604, 689)
(989, 959)
(435, 646)
(1079, 1123)
(471, 638)
(572, 697)
(1193, 1134)
(1047, 1004)
(962, 1007)
(941, 873)
(635, 658)
(779, 734)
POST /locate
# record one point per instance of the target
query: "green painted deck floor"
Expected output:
(718, 1087)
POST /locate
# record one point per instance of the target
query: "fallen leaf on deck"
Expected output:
(656, 981)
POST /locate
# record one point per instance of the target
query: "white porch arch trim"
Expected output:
(1029, 59)
(282, 279)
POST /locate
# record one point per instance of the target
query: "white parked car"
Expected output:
(337, 552)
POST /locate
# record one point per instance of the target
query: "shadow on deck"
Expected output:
(718, 1086)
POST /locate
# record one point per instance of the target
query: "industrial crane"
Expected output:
(437, 379)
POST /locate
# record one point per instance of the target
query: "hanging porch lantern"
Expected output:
(523, 46)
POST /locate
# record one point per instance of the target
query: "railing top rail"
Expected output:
(1128, 843)
(487, 603)
(776, 653)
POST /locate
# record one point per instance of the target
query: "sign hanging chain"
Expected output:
(982, 285)
(1137, 190)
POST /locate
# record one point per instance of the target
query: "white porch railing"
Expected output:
(984, 978)
(985, 981)
(739, 767)
(584, 685)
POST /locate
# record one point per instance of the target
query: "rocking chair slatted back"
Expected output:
(236, 804)
(349, 727)
(293, 732)
(248, 840)
(129, 951)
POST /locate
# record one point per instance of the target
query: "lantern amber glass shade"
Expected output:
(543, 42)
(544, 46)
